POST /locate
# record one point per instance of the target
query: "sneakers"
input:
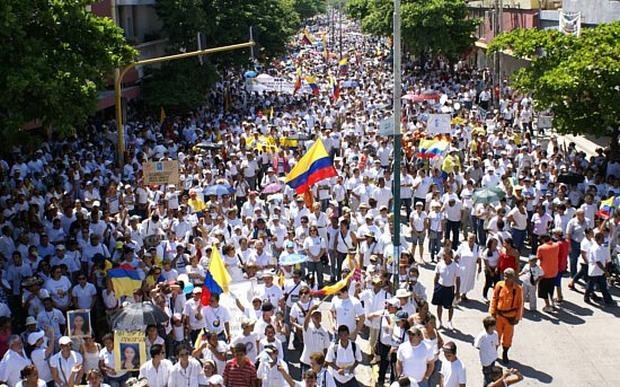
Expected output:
(547, 309)
(449, 326)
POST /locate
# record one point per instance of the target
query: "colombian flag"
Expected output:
(335, 88)
(343, 66)
(217, 278)
(429, 149)
(306, 39)
(606, 207)
(314, 166)
(125, 281)
(297, 85)
(330, 290)
(312, 83)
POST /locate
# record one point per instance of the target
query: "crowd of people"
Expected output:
(69, 213)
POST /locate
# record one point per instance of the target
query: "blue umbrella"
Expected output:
(218, 190)
(250, 74)
(293, 259)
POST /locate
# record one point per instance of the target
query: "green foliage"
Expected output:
(439, 27)
(221, 22)
(55, 56)
(178, 86)
(309, 8)
(578, 78)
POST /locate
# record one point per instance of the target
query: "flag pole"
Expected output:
(397, 138)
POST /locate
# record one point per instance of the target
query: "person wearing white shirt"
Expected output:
(453, 373)
(447, 286)
(343, 357)
(13, 361)
(157, 370)
(348, 311)
(414, 358)
(374, 304)
(217, 318)
(597, 271)
(517, 218)
(186, 372)
(316, 338)
(271, 368)
(84, 293)
(62, 363)
(487, 342)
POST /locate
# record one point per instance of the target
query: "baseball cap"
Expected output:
(64, 340)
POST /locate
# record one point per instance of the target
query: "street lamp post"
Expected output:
(396, 107)
(118, 81)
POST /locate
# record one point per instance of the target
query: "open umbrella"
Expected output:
(272, 188)
(292, 259)
(488, 195)
(218, 190)
(570, 178)
(138, 315)
(250, 74)
(208, 145)
(427, 95)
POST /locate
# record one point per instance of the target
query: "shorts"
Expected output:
(443, 296)
(417, 237)
(546, 287)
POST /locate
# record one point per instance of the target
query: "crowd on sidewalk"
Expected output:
(498, 199)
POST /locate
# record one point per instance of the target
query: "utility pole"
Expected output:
(340, 24)
(252, 48)
(396, 106)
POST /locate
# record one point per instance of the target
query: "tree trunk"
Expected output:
(614, 144)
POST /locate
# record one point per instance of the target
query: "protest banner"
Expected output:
(129, 350)
(161, 172)
(438, 124)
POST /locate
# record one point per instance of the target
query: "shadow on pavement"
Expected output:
(458, 335)
(531, 373)
(474, 304)
(576, 309)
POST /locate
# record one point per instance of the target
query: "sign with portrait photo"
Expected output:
(129, 350)
(78, 323)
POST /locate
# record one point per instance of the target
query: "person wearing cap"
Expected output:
(447, 285)
(507, 308)
(347, 310)
(597, 270)
(248, 337)
(51, 317)
(414, 358)
(452, 370)
(316, 339)
(63, 363)
(192, 314)
(373, 300)
(215, 381)
(391, 334)
(271, 368)
(529, 276)
(157, 369)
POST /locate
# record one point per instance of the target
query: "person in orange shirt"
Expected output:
(507, 308)
(548, 255)
(564, 244)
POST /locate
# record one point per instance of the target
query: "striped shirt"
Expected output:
(239, 376)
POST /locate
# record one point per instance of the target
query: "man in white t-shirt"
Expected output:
(347, 310)
(597, 271)
(452, 368)
(342, 358)
(414, 358)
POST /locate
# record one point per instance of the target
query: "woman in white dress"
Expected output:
(468, 257)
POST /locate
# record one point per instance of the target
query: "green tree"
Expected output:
(55, 57)
(577, 78)
(437, 27)
(221, 22)
(309, 8)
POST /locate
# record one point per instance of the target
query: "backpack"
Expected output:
(353, 347)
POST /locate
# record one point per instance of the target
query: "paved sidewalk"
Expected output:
(577, 346)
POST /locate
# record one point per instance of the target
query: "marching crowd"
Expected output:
(69, 213)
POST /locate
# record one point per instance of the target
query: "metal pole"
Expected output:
(397, 138)
(118, 81)
(340, 25)
(120, 141)
(252, 48)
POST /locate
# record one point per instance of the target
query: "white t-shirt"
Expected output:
(487, 346)
(447, 273)
(520, 220)
(453, 373)
(347, 311)
(598, 253)
(414, 359)
(342, 357)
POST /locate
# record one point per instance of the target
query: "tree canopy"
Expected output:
(309, 8)
(221, 22)
(437, 27)
(577, 78)
(54, 58)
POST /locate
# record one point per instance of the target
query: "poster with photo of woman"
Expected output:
(129, 350)
(79, 323)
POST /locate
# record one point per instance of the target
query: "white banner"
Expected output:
(570, 23)
(545, 121)
(439, 124)
(244, 291)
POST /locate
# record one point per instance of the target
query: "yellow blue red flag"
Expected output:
(314, 166)
(217, 277)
